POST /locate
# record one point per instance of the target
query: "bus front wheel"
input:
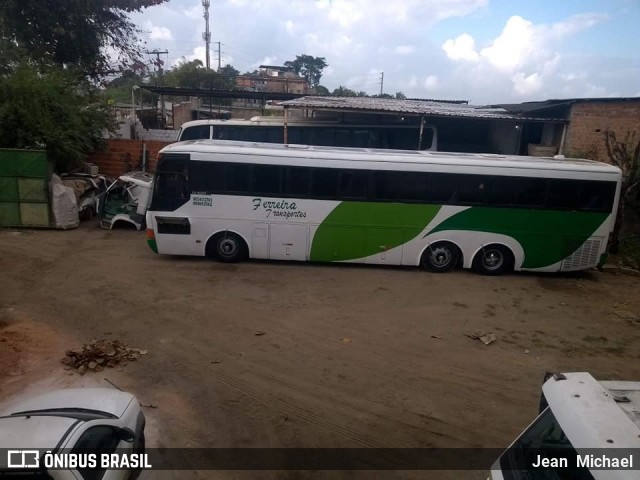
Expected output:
(493, 260)
(440, 257)
(227, 247)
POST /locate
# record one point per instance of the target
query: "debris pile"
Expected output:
(100, 354)
(486, 338)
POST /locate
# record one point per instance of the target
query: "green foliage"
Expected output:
(54, 110)
(401, 96)
(383, 95)
(229, 72)
(73, 34)
(308, 67)
(344, 92)
(193, 74)
(322, 90)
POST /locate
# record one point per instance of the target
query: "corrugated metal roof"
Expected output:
(411, 107)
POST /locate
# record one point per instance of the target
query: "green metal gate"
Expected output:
(24, 188)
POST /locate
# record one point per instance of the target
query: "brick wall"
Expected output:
(123, 155)
(589, 120)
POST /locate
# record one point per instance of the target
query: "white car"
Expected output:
(98, 420)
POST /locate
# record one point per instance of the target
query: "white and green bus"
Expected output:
(492, 213)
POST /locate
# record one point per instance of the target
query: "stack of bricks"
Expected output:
(122, 155)
(589, 121)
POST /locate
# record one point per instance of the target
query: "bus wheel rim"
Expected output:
(492, 259)
(227, 247)
(440, 257)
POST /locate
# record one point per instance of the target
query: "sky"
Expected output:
(482, 51)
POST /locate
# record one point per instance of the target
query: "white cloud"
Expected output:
(157, 33)
(527, 85)
(289, 26)
(461, 48)
(515, 44)
(431, 82)
(404, 49)
(524, 55)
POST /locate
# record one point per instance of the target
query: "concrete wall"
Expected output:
(123, 155)
(589, 121)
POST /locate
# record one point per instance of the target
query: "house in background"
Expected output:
(271, 78)
(586, 121)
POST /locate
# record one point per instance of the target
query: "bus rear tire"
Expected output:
(440, 257)
(227, 247)
(493, 259)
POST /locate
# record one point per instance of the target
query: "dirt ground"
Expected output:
(351, 356)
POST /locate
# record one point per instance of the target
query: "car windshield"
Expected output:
(545, 439)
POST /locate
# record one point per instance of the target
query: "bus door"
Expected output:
(288, 241)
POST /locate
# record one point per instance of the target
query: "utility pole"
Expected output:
(381, 82)
(206, 36)
(158, 64)
(218, 56)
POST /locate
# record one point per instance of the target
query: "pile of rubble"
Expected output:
(100, 354)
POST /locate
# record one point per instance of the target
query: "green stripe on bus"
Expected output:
(546, 236)
(359, 229)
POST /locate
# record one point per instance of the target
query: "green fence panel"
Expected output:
(24, 188)
(9, 189)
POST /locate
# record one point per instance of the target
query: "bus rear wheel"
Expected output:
(227, 247)
(493, 260)
(440, 257)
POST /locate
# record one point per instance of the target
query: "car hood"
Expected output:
(107, 400)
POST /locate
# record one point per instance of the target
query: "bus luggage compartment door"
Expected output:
(288, 241)
(260, 241)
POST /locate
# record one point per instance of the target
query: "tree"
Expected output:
(74, 34)
(344, 92)
(308, 67)
(401, 96)
(625, 155)
(229, 72)
(51, 110)
(322, 90)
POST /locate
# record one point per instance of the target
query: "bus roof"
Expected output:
(420, 157)
(278, 121)
(595, 414)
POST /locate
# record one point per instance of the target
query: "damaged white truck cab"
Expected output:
(586, 430)
(126, 201)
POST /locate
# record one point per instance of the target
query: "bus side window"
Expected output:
(324, 183)
(195, 133)
(563, 194)
(207, 177)
(596, 196)
(297, 181)
(532, 192)
(267, 180)
(354, 184)
(237, 177)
